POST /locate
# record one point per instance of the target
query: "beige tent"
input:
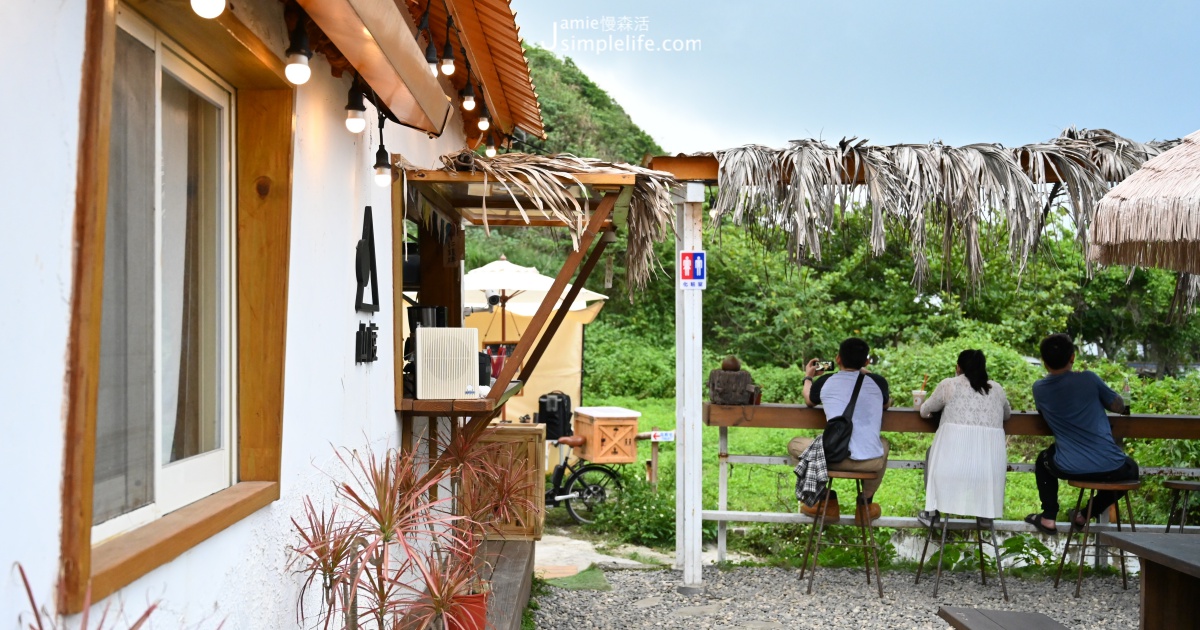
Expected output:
(1153, 217)
(561, 368)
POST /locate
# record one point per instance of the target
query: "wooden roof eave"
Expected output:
(505, 95)
(376, 38)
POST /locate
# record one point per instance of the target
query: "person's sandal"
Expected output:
(1076, 519)
(1036, 521)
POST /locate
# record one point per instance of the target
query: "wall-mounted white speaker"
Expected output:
(447, 363)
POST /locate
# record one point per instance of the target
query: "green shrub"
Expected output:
(617, 363)
(621, 362)
(641, 516)
(905, 367)
(783, 545)
(780, 384)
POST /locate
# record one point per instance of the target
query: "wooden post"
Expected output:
(722, 489)
(654, 462)
(689, 343)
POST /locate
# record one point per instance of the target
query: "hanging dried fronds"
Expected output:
(547, 182)
(752, 174)
(798, 190)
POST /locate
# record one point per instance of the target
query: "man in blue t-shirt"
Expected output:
(1073, 404)
(868, 450)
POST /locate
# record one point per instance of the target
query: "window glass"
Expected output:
(164, 416)
(124, 475)
(191, 137)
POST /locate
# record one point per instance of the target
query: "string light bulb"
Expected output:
(468, 97)
(208, 9)
(431, 57)
(484, 123)
(298, 52)
(448, 52)
(356, 110)
(383, 166)
(491, 146)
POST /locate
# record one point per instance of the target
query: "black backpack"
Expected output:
(838, 429)
(554, 410)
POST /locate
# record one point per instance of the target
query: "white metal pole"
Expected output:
(689, 342)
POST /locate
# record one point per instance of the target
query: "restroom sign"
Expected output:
(693, 270)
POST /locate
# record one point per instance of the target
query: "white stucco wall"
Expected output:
(239, 576)
(41, 53)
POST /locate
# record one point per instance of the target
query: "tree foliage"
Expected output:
(580, 117)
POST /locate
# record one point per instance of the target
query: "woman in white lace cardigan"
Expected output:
(965, 471)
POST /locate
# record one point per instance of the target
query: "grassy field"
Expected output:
(771, 488)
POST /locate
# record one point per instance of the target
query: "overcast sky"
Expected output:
(1012, 71)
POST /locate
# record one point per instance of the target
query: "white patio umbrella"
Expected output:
(521, 289)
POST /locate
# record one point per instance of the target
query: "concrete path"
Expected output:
(558, 555)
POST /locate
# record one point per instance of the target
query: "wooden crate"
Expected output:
(611, 434)
(525, 449)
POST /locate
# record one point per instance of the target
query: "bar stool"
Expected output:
(1092, 487)
(979, 539)
(867, 531)
(1176, 487)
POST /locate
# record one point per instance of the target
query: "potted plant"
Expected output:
(392, 553)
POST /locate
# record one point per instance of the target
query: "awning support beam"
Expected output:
(564, 307)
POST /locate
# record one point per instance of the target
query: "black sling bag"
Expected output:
(836, 437)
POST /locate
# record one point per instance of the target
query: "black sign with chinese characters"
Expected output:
(366, 343)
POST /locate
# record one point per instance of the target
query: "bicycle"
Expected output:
(588, 486)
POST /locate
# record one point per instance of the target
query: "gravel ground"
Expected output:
(775, 598)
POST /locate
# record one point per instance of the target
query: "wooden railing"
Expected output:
(904, 420)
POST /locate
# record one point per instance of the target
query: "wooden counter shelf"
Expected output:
(461, 407)
(905, 420)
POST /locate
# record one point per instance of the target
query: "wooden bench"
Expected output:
(512, 580)
(981, 619)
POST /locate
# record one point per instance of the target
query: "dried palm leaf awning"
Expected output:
(1153, 217)
(555, 191)
(799, 190)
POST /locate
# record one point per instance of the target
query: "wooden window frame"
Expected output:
(262, 193)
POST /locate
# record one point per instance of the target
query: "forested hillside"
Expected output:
(581, 118)
(774, 314)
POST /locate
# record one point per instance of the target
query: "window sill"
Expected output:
(118, 562)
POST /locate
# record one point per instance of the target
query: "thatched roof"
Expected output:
(550, 186)
(1153, 217)
(799, 190)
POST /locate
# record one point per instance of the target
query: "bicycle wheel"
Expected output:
(592, 485)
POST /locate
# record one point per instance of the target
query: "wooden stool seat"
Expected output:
(866, 530)
(1091, 487)
(990, 524)
(1106, 485)
(848, 474)
(1178, 487)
